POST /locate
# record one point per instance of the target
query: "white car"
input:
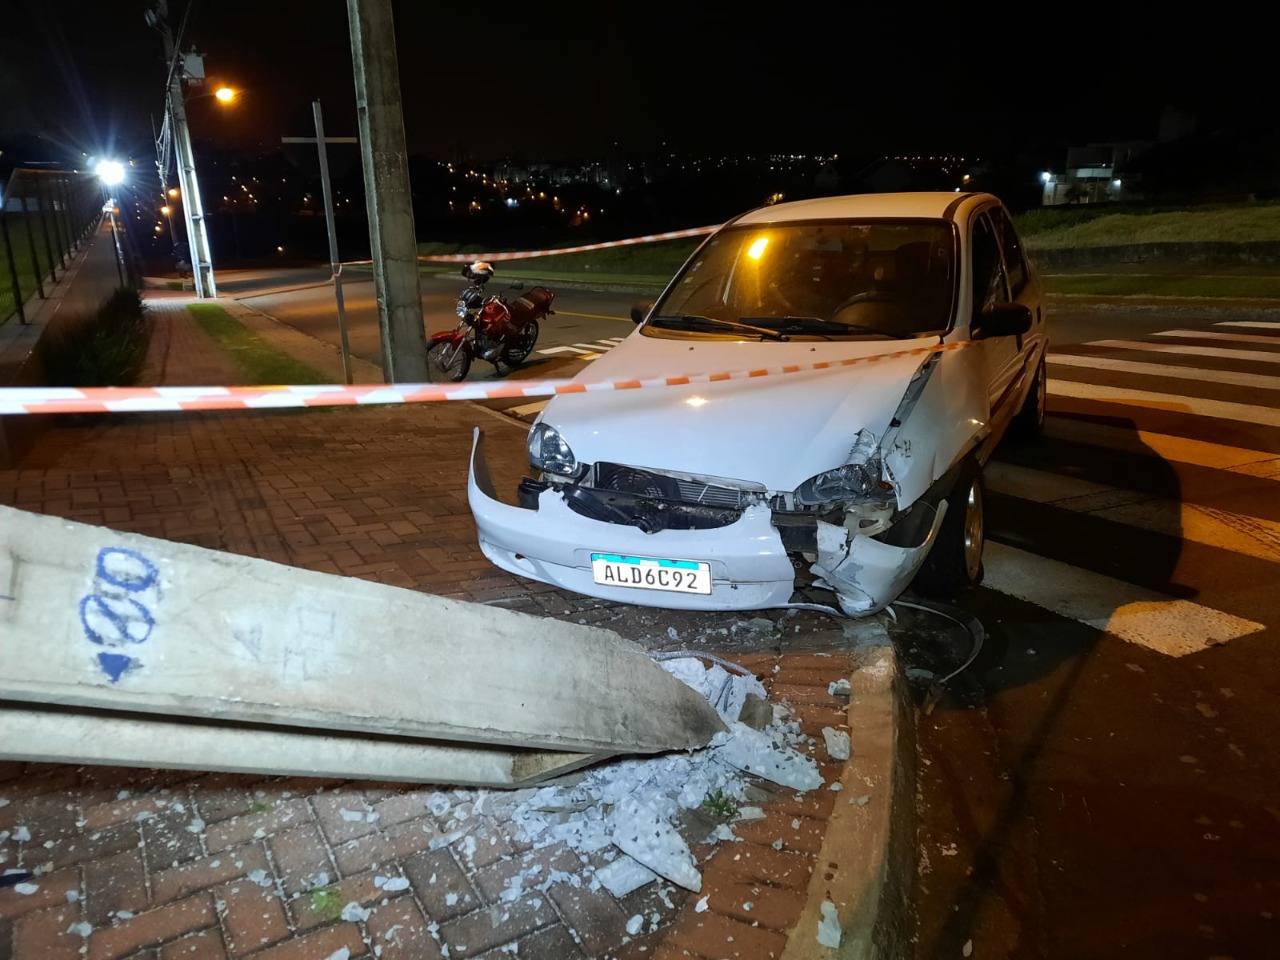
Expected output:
(882, 346)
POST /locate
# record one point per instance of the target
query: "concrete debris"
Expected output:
(749, 813)
(829, 930)
(755, 751)
(26, 889)
(624, 875)
(391, 884)
(756, 712)
(837, 741)
(635, 924)
(840, 688)
(640, 830)
(353, 913)
(701, 905)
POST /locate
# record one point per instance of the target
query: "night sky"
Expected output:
(558, 80)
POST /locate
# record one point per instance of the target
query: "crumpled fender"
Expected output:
(940, 420)
(865, 574)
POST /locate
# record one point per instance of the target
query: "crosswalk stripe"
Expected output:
(1256, 380)
(1237, 533)
(1198, 453)
(1198, 406)
(1215, 335)
(1256, 324)
(1169, 626)
(1194, 351)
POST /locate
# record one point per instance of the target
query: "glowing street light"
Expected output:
(225, 94)
(110, 172)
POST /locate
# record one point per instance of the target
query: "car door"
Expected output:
(990, 285)
(1023, 286)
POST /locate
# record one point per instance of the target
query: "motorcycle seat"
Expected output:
(530, 304)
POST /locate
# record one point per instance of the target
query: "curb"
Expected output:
(866, 866)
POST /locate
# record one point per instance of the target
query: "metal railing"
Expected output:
(45, 218)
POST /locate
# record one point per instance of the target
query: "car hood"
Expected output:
(776, 430)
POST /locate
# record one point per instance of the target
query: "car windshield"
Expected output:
(828, 280)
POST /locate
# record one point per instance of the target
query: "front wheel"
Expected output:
(955, 561)
(448, 360)
(520, 346)
(1028, 423)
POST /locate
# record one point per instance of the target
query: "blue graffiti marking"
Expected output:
(113, 619)
(110, 622)
(126, 569)
(114, 664)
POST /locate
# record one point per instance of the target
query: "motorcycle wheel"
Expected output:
(521, 345)
(447, 360)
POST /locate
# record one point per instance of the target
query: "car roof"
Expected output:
(924, 205)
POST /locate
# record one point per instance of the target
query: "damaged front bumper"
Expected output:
(750, 567)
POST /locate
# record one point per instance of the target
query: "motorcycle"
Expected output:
(490, 327)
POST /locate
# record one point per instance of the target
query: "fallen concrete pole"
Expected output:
(94, 618)
(68, 736)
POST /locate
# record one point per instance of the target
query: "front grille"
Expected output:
(645, 483)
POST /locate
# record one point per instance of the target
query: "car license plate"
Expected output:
(651, 573)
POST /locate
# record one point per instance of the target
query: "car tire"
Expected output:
(1028, 423)
(448, 361)
(954, 563)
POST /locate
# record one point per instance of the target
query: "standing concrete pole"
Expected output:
(389, 200)
(192, 205)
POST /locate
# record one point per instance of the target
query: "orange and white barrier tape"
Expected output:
(24, 400)
(526, 254)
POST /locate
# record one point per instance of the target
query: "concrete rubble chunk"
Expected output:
(837, 742)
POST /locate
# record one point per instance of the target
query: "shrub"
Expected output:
(108, 349)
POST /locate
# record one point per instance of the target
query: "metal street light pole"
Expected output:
(321, 142)
(192, 206)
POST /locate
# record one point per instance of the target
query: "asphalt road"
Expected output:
(1102, 781)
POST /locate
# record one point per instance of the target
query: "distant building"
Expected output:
(1095, 173)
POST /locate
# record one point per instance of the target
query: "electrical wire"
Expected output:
(976, 634)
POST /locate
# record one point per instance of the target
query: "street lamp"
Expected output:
(111, 174)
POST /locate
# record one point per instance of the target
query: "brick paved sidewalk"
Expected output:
(165, 865)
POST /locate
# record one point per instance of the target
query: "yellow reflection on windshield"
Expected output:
(756, 250)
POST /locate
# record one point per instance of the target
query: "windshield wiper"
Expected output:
(691, 320)
(821, 327)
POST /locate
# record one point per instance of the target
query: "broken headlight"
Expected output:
(549, 452)
(853, 481)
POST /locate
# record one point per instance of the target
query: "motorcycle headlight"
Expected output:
(549, 452)
(461, 308)
(853, 481)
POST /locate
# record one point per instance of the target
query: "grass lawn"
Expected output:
(17, 224)
(1058, 228)
(1164, 285)
(264, 364)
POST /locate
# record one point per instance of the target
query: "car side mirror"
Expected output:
(640, 310)
(1001, 320)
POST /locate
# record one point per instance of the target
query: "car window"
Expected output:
(835, 279)
(988, 272)
(1015, 261)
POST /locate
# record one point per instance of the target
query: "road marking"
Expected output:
(591, 316)
(1134, 614)
(1142, 345)
(1214, 335)
(592, 349)
(1257, 324)
(1237, 533)
(1177, 403)
(1198, 453)
(1256, 380)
